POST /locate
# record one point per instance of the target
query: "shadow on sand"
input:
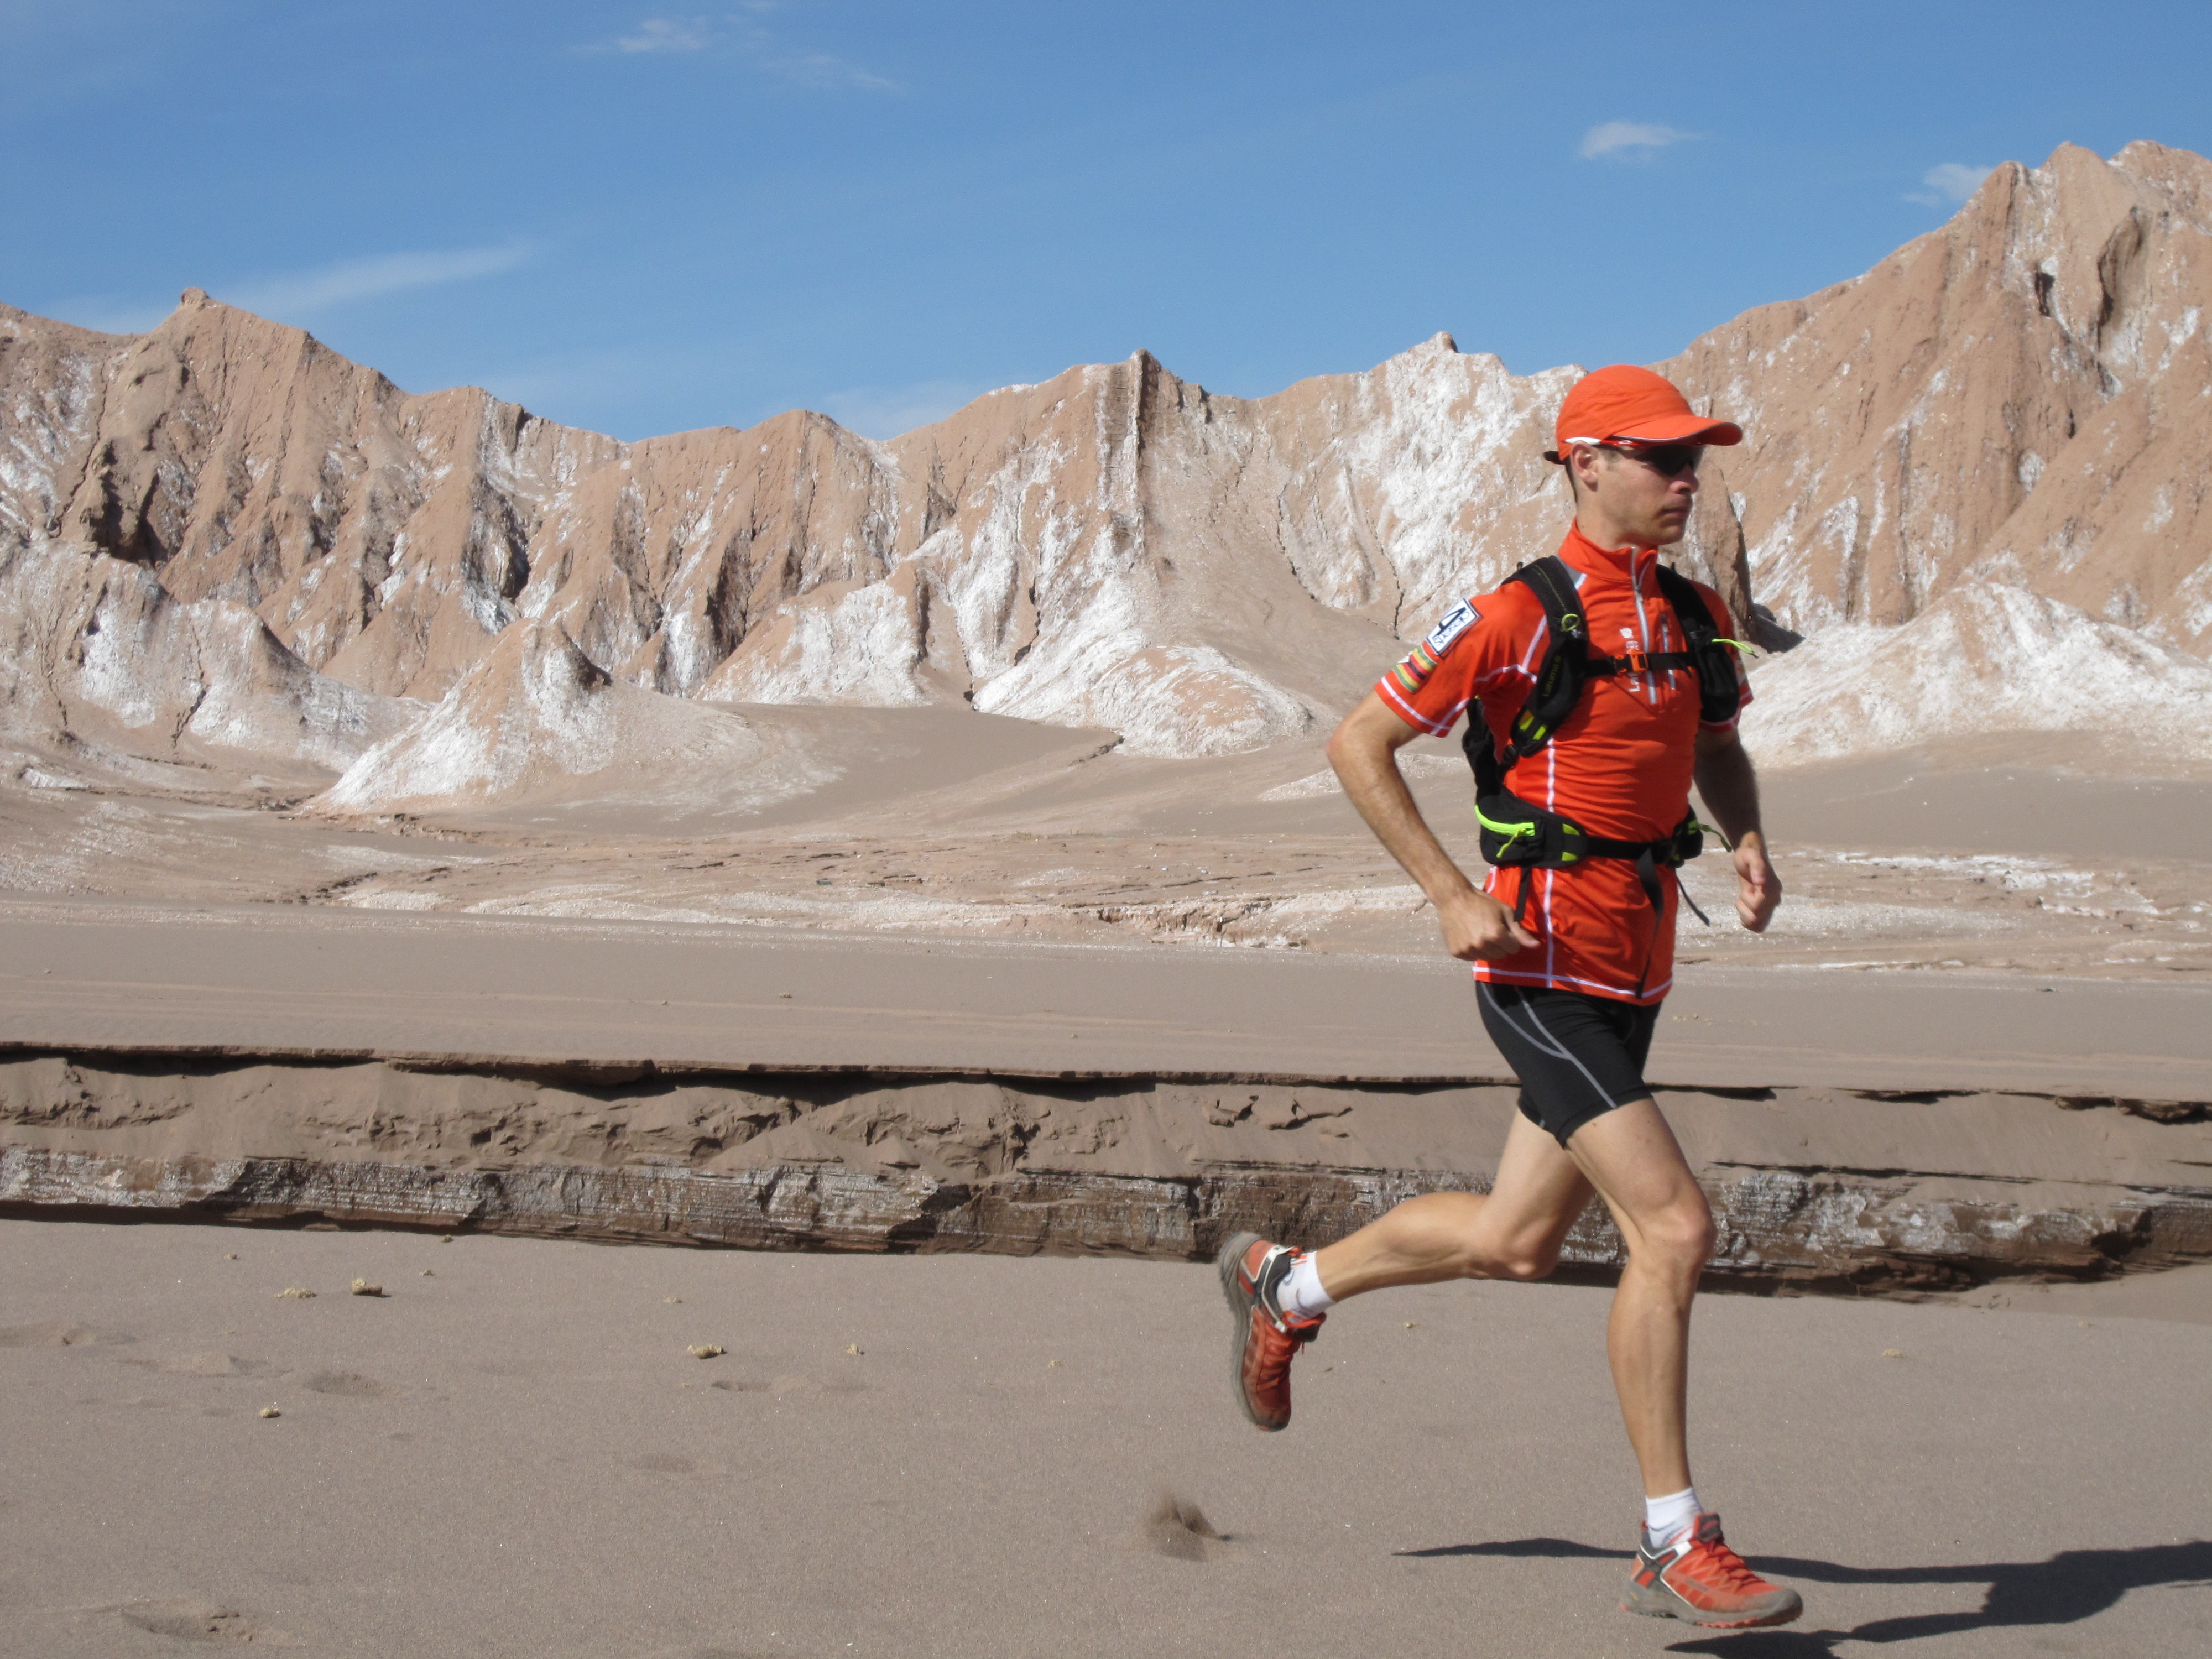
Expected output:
(2071, 1586)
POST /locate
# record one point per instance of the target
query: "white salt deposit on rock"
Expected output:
(1981, 659)
(2016, 401)
(536, 716)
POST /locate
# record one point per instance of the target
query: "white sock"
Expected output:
(1301, 1291)
(1664, 1518)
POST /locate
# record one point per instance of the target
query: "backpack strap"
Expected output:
(1560, 676)
(1719, 696)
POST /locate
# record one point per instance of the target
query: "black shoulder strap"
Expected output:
(1560, 676)
(1719, 694)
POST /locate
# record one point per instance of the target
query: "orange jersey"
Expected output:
(1620, 765)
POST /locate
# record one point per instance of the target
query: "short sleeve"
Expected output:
(1478, 646)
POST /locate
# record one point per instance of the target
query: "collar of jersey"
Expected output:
(1607, 564)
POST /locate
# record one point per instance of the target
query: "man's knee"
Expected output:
(1526, 1259)
(1527, 1266)
(1680, 1234)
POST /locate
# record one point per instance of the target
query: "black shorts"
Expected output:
(1578, 1056)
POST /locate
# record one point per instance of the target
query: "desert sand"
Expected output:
(518, 1455)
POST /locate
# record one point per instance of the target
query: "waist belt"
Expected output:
(1515, 834)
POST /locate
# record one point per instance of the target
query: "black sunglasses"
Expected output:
(1668, 460)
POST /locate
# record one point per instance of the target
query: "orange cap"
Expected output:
(1624, 401)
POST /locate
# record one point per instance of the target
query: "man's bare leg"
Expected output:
(1630, 1159)
(1515, 1231)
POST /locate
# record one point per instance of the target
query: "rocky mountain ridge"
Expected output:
(221, 536)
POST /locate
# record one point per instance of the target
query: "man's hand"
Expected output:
(1758, 889)
(1478, 928)
(1730, 789)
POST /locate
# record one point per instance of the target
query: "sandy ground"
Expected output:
(514, 1454)
(504, 1457)
(273, 978)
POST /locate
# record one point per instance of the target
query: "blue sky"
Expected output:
(645, 217)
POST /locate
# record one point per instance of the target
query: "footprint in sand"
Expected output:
(350, 1385)
(204, 1365)
(199, 1621)
(783, 1387)
(61, 1333)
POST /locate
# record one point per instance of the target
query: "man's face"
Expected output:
(1644, 505)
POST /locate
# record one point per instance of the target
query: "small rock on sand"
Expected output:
(1893, 1354)
(295, 1293)
(269, 1411)
(363, 1287)
(706, 1350)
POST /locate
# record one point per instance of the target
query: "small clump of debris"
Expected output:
(1178, 1527)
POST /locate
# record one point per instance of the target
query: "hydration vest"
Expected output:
(1516, 832)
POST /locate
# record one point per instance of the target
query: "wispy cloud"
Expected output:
(1948, 184)
(1628, 140)
(302, 293)
(665, 34)
(877, 411)
(736, 34)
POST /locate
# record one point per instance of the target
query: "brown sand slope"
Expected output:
(516, 1455)
(304, 980)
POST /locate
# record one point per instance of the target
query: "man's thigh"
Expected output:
(1540, 1193)
(1578, 1056)
(1631, 1157)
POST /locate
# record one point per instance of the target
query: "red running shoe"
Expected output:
(1700, 1579)
(1265, 1338)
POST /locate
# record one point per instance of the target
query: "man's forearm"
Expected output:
(1729, 789)
(1370, 774)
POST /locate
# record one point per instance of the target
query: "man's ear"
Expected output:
(1575, 457)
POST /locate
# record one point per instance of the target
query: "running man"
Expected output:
(1583, 790)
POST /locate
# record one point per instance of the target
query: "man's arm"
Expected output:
(1365, 752)
(1730, 791)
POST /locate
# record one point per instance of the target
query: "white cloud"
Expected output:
(1630, 140)
(877, 411)
(300, 292)
(665, 34)
(749, 40)
(1949, 183)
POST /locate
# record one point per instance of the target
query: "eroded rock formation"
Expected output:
(2009, 410)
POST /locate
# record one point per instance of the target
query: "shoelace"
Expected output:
(1719, 1561)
